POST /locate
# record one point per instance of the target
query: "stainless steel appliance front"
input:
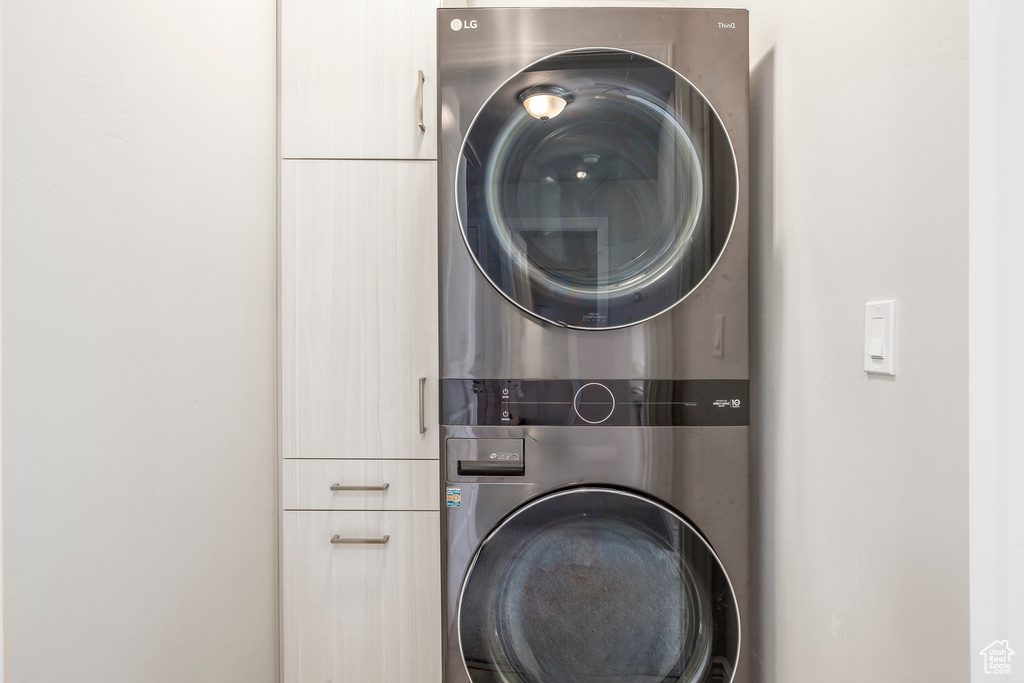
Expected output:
(574, 593)
(594, 355)
(559, 236)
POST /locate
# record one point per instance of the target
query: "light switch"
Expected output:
(877, 347)
(880, 337)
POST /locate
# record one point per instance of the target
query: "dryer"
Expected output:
(594, 354)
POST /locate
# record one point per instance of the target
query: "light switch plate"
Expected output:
(880, 337)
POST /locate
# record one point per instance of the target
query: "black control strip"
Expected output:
(650, 403)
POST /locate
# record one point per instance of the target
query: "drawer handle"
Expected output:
(383, 487)
(338, 540)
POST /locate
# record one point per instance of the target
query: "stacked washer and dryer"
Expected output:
(594, 345)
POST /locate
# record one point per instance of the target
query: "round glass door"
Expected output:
(597, 585)
(596, 188)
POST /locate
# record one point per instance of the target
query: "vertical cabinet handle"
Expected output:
(423, 415)
(338, 540)
(419, 97)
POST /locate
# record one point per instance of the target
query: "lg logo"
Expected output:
(458, 24)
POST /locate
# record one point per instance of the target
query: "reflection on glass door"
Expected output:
(592, 585)
(599, 188)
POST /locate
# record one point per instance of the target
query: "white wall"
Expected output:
(865, 477)
(139, 432)
(997, 331)
(1, 344)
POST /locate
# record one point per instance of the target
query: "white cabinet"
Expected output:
(361, 611)
(350, 86)
(359, 309)
(358, 317)
(360, 484)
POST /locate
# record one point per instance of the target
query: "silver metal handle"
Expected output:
(423, 414)
(338, 540)
(419, 97)
(338, 487)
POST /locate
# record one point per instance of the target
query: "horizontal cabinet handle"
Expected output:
(383, 487)
(338, 540)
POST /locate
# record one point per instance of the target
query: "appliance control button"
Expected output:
(594, 403)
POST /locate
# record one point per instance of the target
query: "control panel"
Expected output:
(653, 403)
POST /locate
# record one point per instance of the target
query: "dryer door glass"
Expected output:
(596, 188)
(593, 585)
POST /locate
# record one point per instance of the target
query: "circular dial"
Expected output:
(594, 403)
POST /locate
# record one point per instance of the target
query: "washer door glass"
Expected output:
(596, 188)
(596, 585)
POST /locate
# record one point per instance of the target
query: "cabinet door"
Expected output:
(350, 86)
(361, 612)
(359, 309)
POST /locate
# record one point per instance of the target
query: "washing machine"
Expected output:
(594, 344)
